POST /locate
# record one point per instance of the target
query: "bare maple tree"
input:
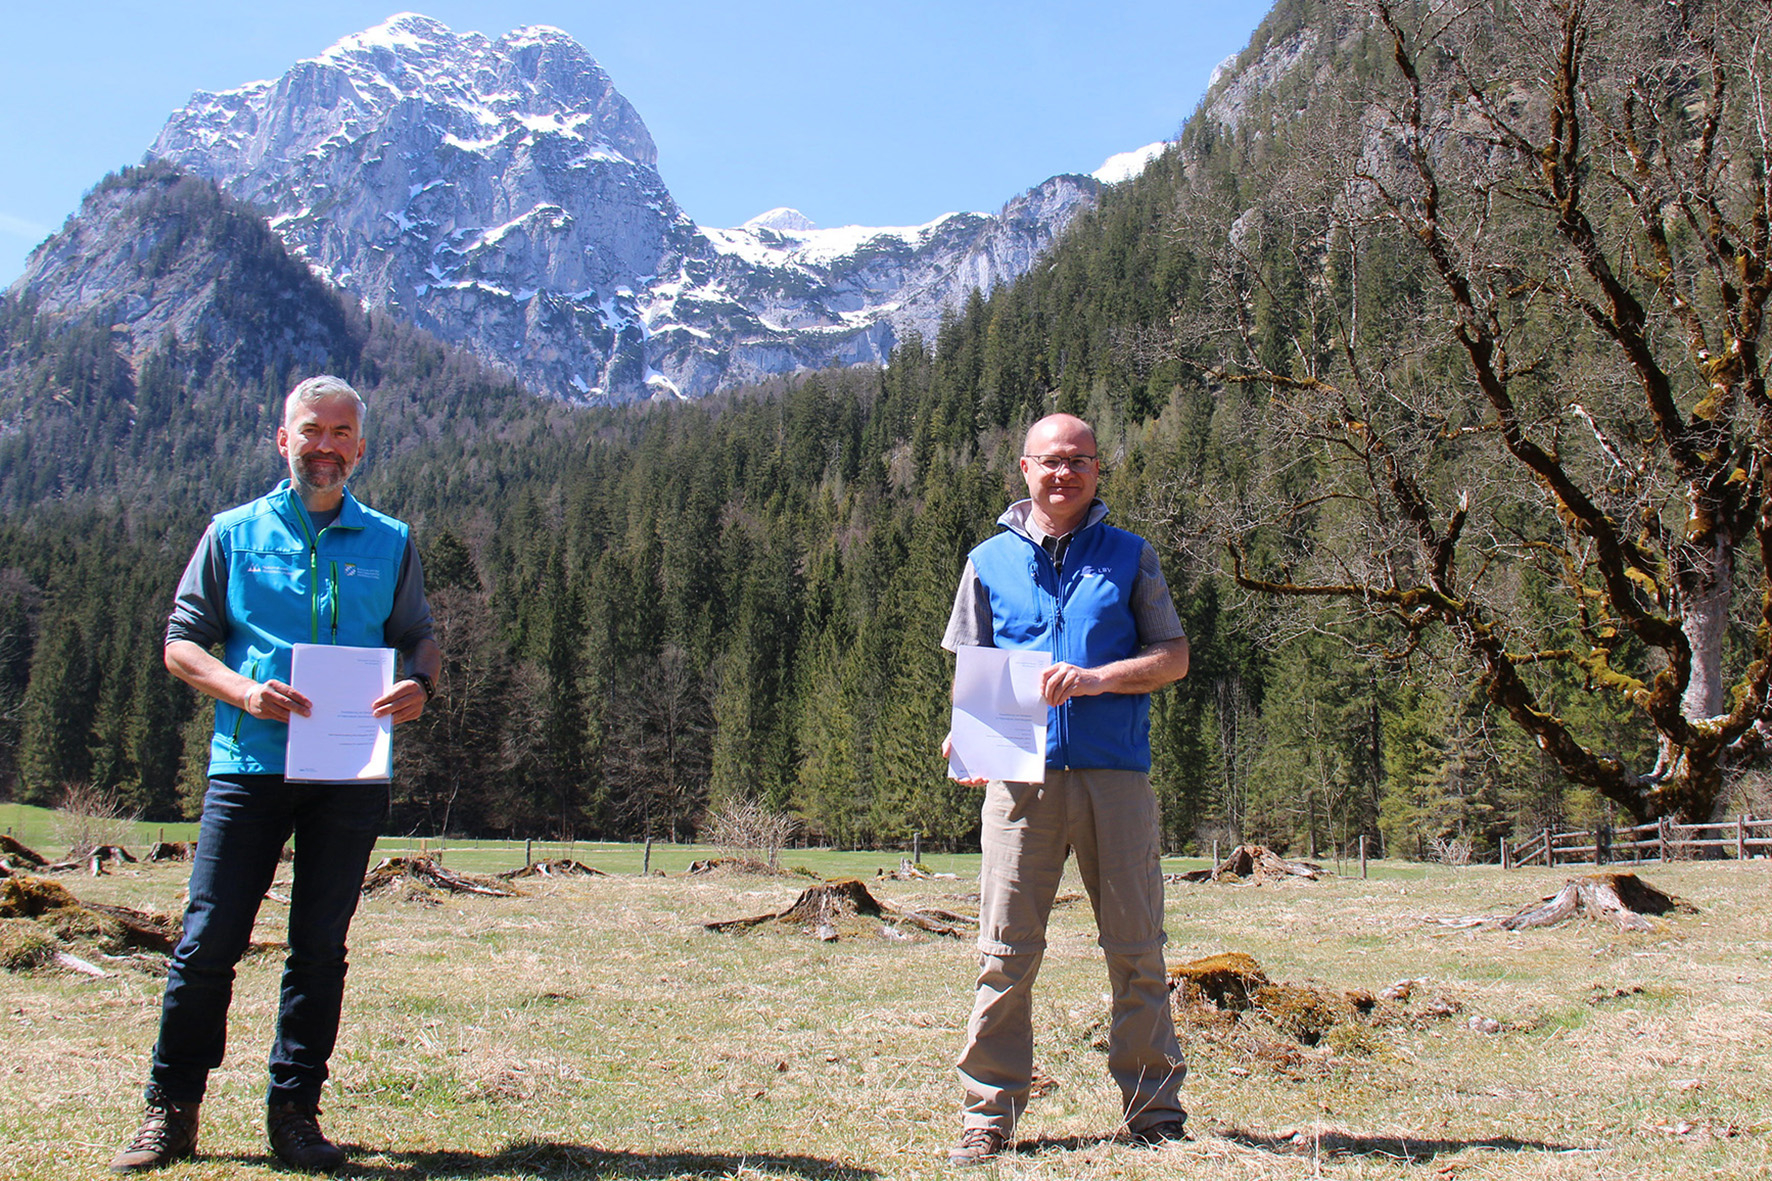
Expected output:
(1505, 293)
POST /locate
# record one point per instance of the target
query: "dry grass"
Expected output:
(592, 1029)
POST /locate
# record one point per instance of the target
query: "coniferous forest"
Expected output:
(648, 610)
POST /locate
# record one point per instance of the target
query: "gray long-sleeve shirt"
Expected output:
(199, 610)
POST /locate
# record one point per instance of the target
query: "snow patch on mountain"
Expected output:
(1126, 165)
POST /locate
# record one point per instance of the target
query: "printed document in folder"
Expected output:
(341, 739)
(999, 723)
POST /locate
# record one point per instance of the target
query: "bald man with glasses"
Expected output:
(1058, 579)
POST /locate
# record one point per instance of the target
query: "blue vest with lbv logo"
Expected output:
(1083, 617)
(289, 585)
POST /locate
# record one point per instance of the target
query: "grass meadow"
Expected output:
(591, 1028)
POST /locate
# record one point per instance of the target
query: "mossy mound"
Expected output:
(1228, 981)
(42, 917)
(1228, 997)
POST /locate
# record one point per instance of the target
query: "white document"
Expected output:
(999, 724)
(340, 739)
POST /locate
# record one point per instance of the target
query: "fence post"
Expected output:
(1661, 841)
(646, 862)
(1362, 855)
(1550, 854)
(528, 859)
(1741, 837)
(917, 848)
(1504, 852)
(1214, 852)
(1602, 845)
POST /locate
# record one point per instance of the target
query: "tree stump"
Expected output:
(1622, 899)
(1251, 861)
(562, 867)
(424, 873)
(830, 909)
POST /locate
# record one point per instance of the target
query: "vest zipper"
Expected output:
(251, 675)
(1064, 711)
(335, 602)
(307, 531)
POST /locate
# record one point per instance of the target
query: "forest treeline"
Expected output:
(648, 610)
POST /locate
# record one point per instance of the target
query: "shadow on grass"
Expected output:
(1066, 1143)
(550, 1159)
(1403, 1149)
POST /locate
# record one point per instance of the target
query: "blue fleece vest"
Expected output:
(288, 586)
(1083, 618)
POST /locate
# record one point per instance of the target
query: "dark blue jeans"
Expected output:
(246, 820)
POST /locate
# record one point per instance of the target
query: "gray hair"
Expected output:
(324, 388)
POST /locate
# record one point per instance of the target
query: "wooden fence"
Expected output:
(1661, 840)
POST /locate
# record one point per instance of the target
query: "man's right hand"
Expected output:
(274, 701)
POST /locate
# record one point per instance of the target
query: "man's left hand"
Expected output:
(405, 702)
(1061, 682)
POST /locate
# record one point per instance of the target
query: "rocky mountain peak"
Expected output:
(502, 194)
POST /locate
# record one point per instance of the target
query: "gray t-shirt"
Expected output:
(1153, 610)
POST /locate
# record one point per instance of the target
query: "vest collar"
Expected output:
(1016, 519)
(350, 513)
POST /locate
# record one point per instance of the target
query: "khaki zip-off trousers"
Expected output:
(1109, 818)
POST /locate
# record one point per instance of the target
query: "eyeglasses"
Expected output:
(1053, 464)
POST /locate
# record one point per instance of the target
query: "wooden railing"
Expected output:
(1661, 840)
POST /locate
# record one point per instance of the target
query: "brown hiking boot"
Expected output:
(976, 1146)
(1163, 1133)
(168, 1133)
(297, 1140)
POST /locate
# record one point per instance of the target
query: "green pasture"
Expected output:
(44, 830)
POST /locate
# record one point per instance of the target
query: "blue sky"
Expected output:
(853, 113)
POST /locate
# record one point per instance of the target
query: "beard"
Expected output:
(319, 474)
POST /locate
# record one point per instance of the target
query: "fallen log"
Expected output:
(824, 910)
(1251, 861)
(423, 872)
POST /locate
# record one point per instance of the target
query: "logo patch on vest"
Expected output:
(352, 570)
(256, 568)
(1093, 572)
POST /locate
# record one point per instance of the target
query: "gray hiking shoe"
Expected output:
(168, 1132)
